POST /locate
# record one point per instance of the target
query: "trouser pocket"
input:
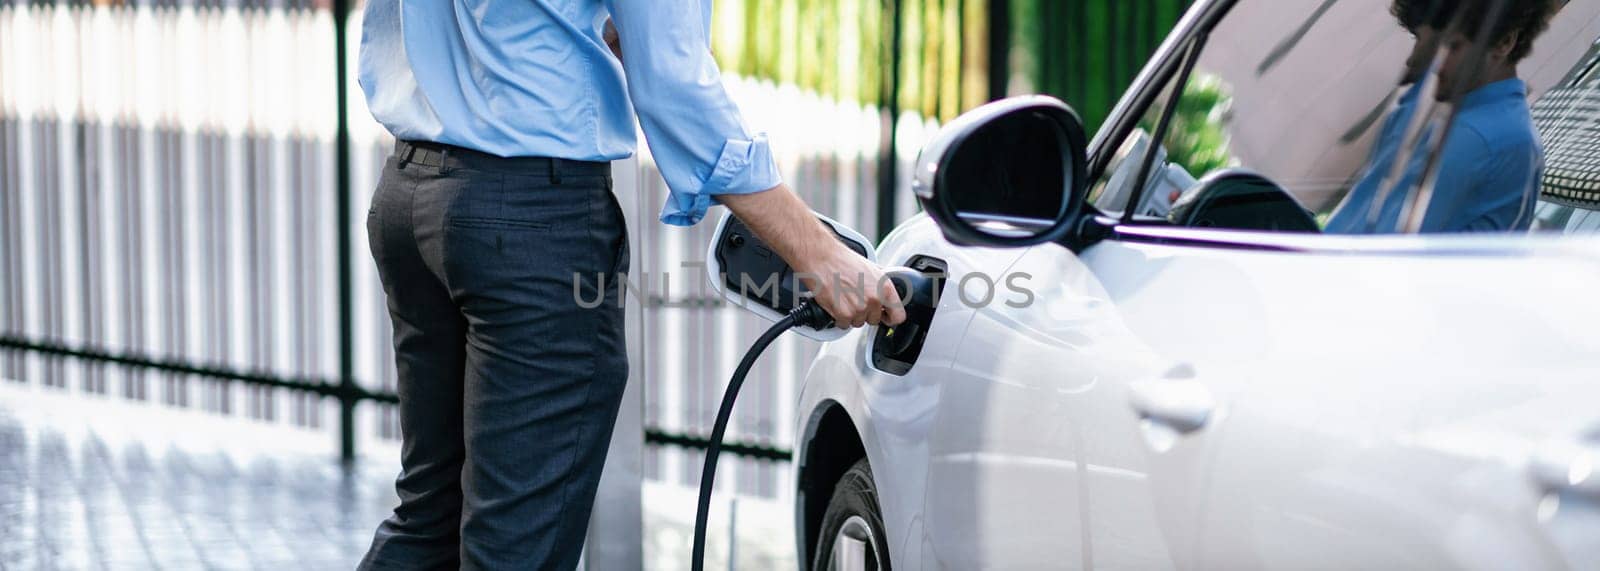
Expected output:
(622, 251)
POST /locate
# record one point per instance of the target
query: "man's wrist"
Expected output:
(819, 250)
(786, 224)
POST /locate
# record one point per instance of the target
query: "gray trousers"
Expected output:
(508, 386)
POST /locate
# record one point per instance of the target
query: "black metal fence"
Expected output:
(163, 240)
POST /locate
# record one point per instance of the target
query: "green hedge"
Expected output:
(841, 48)
(1087, 51)
(1084, 51)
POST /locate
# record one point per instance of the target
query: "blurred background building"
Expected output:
(183, 186)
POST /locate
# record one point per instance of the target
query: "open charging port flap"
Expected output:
(896, 349)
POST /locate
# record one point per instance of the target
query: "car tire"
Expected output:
(852, 535)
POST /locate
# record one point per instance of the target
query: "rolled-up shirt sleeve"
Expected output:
(694, 130)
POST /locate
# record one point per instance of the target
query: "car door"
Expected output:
(1377, 401)
(1036, 458)
(1345, 402)
(1418, 384)
(1056, 441)
(1385, 424)
(1094, 425)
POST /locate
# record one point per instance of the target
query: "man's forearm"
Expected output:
(852, 289)
(786, 224)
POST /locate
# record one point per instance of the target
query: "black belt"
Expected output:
(443, 156)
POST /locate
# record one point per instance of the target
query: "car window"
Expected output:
(1359, 116)
(1174, 160)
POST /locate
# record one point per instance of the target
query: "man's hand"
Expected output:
(852, 289)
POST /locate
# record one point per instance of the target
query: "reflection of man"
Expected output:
(1425, 20)
(1490, 165)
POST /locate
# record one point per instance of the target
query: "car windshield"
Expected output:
(1374, 116)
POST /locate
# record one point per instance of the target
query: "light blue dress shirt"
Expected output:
(1489, 171)
(535, 78)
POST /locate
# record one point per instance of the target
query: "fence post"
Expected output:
(889, 157)
(999, 48)
(348, 393)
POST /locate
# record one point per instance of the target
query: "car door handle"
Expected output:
(1179, 400)
(1568, 467)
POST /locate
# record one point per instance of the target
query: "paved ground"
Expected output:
(94, 483)
(90, 484)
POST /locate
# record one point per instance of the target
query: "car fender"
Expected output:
(893, 414)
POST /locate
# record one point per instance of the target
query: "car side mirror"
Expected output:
(1010, 173)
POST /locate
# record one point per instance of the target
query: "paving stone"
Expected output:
(71, 498)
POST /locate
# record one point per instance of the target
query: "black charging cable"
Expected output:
(913, 288)
(807, 315)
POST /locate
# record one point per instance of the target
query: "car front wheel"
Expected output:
(852, 531)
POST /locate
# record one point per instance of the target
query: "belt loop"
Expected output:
(555, 170)
(444, 160)
(405, 157)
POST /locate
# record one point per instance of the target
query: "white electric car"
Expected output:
(1218, 384)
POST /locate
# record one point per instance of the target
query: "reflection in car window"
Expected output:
(1568, 118)
(1196, 143)
(1328, 100)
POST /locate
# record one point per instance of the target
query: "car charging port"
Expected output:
(896, 349)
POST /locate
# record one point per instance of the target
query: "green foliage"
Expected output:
(1084, 51)
(842, 48)
(1197, 139)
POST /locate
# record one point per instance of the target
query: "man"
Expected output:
(1489, 169)
(507, 114)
